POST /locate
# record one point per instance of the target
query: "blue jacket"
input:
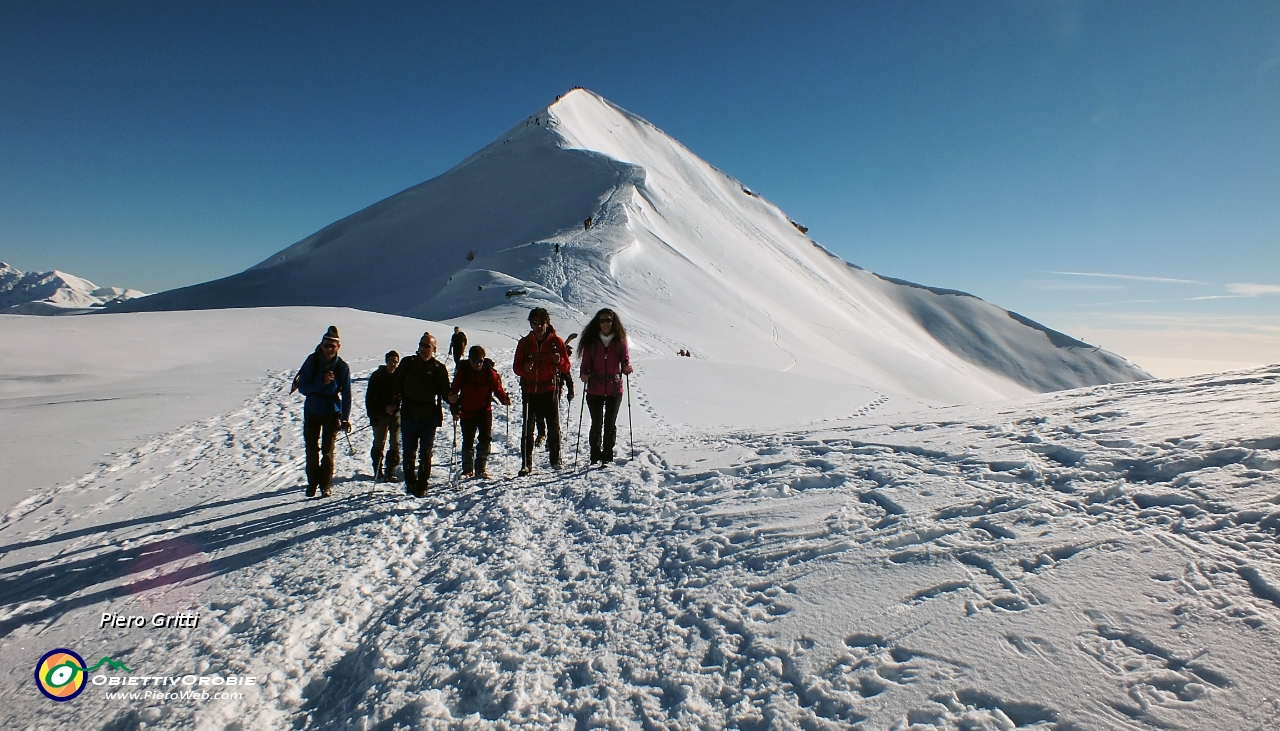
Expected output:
(325, 399)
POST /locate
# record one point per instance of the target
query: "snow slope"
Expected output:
(54, 293)
(1101, 558)
(73, 389)
(690, 257)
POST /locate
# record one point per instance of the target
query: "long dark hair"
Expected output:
(591, 333)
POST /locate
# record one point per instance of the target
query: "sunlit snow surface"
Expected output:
(1104, 558)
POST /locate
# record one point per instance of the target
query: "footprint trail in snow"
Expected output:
(1100, 558)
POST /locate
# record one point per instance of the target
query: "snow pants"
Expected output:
(475, 454)
(319, 434)
(415, 433)
(543, 406)
(604, 425)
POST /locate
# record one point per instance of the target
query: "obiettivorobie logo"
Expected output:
(61, 673)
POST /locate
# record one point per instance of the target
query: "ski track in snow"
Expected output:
(646, 595)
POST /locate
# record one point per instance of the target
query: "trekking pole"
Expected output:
(350, 449)
(526, 432)
(630, 428)
(578, 449)
(568, 413)
(453, 454)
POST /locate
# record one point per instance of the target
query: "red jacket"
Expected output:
(539, 363)
(474, 389)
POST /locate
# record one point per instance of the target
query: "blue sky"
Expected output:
(1015, 150)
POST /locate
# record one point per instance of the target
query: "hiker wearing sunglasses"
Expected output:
(325, 379)
(541, 357)
(606, 359)
(420, 387)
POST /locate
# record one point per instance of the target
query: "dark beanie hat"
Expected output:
(331, 334)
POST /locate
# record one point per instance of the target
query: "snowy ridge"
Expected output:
(926, 571)
(692, 258)
(54, 293)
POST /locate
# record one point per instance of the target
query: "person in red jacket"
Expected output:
(475, 383)
(541, 357)
(605, 360)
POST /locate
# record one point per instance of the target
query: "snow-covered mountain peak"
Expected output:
(54, 293)
(583, 205)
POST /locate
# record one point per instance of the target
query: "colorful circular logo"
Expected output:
(60, 674)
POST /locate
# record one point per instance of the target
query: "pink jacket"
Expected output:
(603, 367)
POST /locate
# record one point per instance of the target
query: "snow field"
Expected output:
(1102, 558)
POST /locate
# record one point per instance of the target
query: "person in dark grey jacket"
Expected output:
(420, 387)
(384, 419)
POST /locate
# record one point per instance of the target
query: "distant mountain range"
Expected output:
(584, 205)
(54, 293)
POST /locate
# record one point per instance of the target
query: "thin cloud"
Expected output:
(1120, 302)
(1129, 277)
(1245, 289)
(1070, 286)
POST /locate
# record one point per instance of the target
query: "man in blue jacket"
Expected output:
(325, 379)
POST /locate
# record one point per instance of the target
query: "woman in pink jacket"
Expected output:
(605, 360)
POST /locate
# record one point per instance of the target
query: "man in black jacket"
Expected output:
(457, 348)
(420, 387)
(383, 417)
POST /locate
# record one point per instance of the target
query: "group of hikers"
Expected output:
(405, 400)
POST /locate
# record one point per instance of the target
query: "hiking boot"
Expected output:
(524, 471)
(326, 491)
(482, 473)
(311, 490)
(468, 475)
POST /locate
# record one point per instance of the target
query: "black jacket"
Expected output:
(420, 387)
(458, 345)
(380, 394)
